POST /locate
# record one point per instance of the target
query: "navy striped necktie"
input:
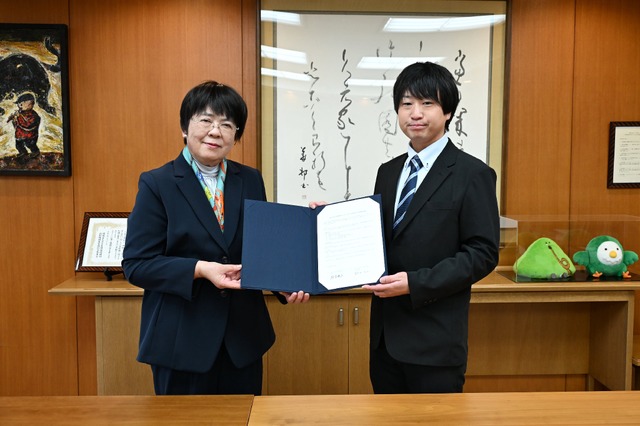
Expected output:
(408, 190)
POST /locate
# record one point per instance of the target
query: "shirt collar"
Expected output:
(428, 155)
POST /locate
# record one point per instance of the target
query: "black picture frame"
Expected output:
(624, 154)
(34, 76)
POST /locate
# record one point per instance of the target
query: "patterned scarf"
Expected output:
(216, 200)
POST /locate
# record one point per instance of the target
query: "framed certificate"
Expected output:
(624, 154)
(101, 242)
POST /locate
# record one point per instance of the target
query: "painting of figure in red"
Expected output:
(34, 136)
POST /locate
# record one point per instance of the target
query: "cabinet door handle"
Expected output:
(356, 316)
(340, 316)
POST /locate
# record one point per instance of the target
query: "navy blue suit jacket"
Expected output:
(447, 241)
(172, 226)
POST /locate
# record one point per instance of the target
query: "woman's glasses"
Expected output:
(207, 124)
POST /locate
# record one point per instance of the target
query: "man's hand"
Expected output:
(314, 204)
(390, 285)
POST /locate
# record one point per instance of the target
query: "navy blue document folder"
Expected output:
(280, 246)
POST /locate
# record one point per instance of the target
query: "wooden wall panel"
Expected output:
(133, 63)
(607, 89)
(37, 331)
(249, 144)
(538, 136)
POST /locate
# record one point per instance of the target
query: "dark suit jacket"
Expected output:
(447, 241)
(172, 226)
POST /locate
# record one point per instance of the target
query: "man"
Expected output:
(441, 235)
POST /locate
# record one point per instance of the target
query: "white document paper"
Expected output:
(626, 161)
(105, 242)
(350, 244)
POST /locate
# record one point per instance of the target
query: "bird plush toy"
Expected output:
(604, 256)
(544, 259)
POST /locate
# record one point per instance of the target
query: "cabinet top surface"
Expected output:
(95, 284)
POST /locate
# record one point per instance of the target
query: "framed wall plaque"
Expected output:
(624, 154)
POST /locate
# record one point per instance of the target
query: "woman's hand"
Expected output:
(221, 275)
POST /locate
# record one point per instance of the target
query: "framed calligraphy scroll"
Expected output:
(102, 240)
(624, 154)
(328, 70)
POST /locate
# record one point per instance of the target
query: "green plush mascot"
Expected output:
(604, 256)
(544, 259)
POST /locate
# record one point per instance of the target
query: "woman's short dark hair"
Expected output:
(426, 80)
(222, 99)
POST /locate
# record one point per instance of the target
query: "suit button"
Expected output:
(224, 259)
(223, 293)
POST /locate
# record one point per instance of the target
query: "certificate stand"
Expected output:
(110, 273)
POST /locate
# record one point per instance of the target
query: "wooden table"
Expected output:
(538, 408)
(475, 409)
(125, 410)
(515, 329)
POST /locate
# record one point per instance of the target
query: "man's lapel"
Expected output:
(438, 173)
(390, 186)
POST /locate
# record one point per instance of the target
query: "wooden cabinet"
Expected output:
(522, 337)
(322, 347)
(117, 335)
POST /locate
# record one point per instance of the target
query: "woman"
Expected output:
(199, 331)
